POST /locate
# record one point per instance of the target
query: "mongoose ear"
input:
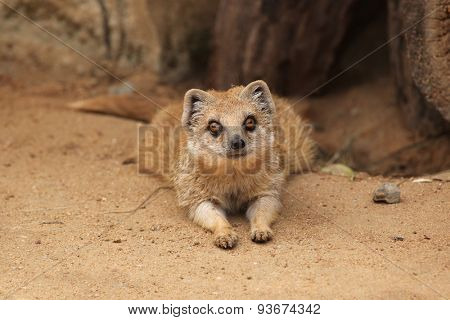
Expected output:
(194, 102)
(259, 93)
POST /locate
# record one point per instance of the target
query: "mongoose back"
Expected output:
(232, 153)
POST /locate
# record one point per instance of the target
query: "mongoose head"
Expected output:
(231, 125)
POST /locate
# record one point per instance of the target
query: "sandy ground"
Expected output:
(61, 176)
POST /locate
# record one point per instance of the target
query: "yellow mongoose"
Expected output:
(233, 154)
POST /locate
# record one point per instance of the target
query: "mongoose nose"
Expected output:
(237, 143)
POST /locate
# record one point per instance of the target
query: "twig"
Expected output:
(154, 192)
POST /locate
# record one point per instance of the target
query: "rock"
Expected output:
(419, 61)
(52, 222)
(278, 41)
(179, 37)
(130, 160)
(387, 192)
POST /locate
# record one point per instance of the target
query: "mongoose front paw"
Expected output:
(261, 234)
(226, 239)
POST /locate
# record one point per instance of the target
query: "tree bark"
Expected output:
(420, 62)
(290, 44)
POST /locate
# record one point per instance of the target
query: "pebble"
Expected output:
(127, 161)
(387, 192)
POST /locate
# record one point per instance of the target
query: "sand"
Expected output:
(61, 176)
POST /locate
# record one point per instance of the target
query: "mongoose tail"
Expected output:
(129, 106)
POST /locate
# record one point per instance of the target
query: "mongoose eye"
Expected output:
(215, 128)
(250, 123)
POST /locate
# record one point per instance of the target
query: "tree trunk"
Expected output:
(291, 44)
(420, 62)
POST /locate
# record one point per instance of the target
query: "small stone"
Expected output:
(398, 238)
(52, 222)
(387, 192)
(117, 241)
(38, 242)
(127, 161)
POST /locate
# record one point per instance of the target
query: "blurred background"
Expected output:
(371, 76)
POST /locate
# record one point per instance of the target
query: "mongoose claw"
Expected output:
(259, 235)
(226, 240)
